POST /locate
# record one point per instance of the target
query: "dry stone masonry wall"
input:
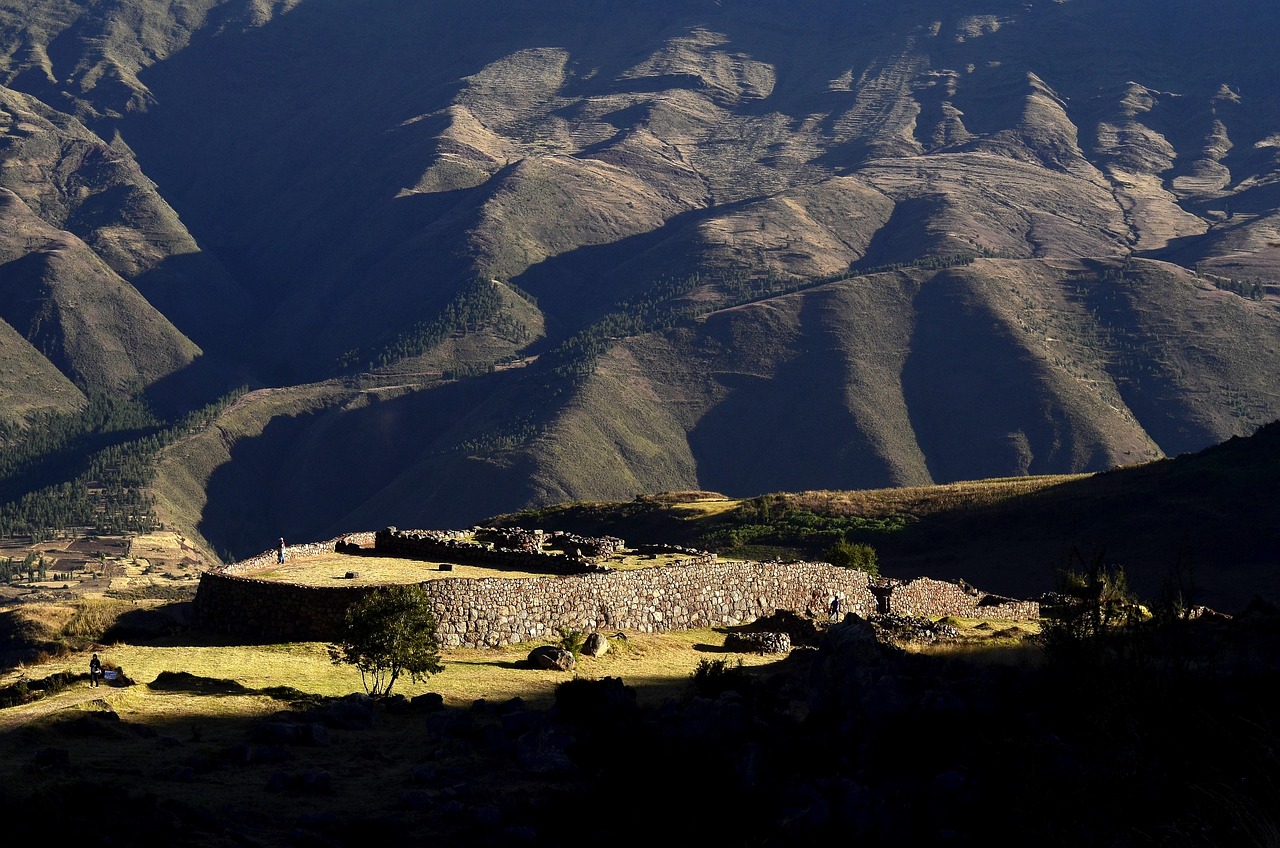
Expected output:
(523, 551)
(700, 591)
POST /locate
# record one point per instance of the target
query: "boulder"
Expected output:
(763, 642)
(596, 703)
(552, 658)
(596, 645)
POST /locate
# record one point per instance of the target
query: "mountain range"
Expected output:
(468, 258)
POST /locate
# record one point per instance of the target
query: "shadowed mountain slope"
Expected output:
(1196, 523)
(1199, 525)
(812, 389)
(749, 246)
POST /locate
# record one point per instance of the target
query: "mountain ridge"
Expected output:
(757, 248)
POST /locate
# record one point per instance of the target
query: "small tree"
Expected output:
(390, 632)
(857, 556)
(1096, 602)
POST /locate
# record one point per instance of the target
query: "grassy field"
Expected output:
(194, 704)
(658, 665)
(328, 569)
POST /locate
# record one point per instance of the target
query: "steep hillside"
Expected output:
(739, 246)
(31, 385)
(813, 389)
(1199, 525)
(78, 184)
(1196, 523)
(89, 322)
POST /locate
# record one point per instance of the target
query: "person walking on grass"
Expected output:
(95, 671)
(280, 551)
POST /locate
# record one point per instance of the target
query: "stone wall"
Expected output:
(492, 612)
(432, 545)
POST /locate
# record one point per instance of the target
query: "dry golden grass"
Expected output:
(987, 642)
(330, 569)
(93, 616)
(925, 500)
(706, 508)
(657, 665)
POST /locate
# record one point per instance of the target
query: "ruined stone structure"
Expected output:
(699, 591)
(522, 550)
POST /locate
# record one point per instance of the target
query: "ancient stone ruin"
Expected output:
(695, 591)
(516, 548)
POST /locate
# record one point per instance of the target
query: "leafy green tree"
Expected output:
(387, 633)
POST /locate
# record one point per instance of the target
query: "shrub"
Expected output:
(1094, 602)
(712, 678)
(853, 555)
(572, 640)
(387, 633)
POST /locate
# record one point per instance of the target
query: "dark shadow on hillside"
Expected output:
(795, 421)
(979, 404)
(148, 624)
(204, 302)
(1210, 510)
(314, 475)
(855, 722)
(568, 286)
(205, 380)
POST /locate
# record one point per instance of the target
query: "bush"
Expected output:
(853, 555)
(572, 640)
(712, 678)
(1094, 603)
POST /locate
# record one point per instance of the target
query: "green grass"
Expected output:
(657, 664)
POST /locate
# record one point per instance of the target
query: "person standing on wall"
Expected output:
(280, 551)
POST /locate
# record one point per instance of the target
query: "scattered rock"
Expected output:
(427, 702)
(764, 642)
(552, 658)
(596, 645)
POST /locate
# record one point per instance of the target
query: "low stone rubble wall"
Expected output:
(432, 545)
(492, 612)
